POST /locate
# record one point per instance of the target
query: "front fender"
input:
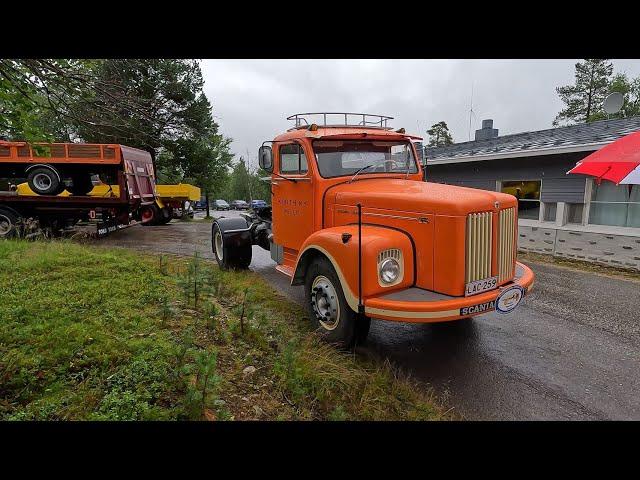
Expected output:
(235, 230)
(344, 258)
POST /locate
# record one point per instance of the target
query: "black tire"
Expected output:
(235, 257)
(8, 224)
(339, 325)
(82, 184)
(44, 181)
(149, 215)
(166, 214)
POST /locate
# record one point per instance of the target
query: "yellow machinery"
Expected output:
(168, 197)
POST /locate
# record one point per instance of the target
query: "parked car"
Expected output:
(239, 205)
(200, 204)
(258, 204)
(221, 205)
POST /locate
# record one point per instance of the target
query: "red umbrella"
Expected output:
(617, 162)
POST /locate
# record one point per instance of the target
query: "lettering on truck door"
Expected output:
(292, 202)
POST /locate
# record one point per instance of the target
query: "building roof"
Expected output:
(573, 138)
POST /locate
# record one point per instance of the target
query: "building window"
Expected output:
(616, 205)
(292, 159)
(574, 213)
(528, 194)
(550, 210)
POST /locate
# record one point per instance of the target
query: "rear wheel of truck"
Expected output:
(236, 257)
(149, 215)
(44, 181)
(82, 184)
(8, 223)
(331, 315)
(166, 214)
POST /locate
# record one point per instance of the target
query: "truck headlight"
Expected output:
(389, 271)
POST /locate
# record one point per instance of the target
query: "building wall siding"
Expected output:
(557, 186)
(615, 250)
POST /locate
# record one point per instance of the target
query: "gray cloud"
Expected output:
(252, 98)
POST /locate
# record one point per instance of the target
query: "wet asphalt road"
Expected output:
(571, 351)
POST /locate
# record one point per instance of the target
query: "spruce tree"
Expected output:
(439, 135)
(584, 98)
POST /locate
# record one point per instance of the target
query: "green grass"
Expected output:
(90, 333)
(581, 265)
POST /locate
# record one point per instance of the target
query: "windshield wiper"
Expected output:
(360, 170)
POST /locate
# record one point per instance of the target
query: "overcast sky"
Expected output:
(252, 98)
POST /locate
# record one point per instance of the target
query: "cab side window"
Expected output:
(292, 159)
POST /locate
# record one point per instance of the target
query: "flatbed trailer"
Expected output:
(66, 166)
(168, 198)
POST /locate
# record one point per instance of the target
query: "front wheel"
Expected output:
(330, 314)
(236, 257)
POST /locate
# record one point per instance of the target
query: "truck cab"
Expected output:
(352, 220)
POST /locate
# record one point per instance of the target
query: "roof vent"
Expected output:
(487, 131)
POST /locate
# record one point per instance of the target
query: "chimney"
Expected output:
(487, 131)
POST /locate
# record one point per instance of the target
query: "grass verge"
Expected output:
(110, 334)
(580, 265)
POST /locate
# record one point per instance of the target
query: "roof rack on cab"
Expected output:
(340, 119)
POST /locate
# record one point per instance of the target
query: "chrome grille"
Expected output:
(478, 246)
(506, 244)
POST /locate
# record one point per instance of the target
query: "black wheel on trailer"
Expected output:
(166, 214)
(230, 252)
(82, 184)
(9, 220)
(149, 214)
(331, 316)
(44, 181)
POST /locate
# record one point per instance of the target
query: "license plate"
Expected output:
(478, 286)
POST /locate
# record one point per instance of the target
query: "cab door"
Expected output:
(292, 199)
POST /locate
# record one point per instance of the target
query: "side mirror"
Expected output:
(265, 158)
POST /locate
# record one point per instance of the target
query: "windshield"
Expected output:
(346, 157)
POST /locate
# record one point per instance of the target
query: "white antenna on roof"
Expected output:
(470, 111)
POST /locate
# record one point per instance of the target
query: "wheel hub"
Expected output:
(219, 245)
(324, 300)
(5, 226)
(42, 181)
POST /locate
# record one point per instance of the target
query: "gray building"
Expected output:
(559, 214)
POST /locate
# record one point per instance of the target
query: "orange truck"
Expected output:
(353, 221)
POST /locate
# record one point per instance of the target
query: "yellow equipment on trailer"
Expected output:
(168, 197)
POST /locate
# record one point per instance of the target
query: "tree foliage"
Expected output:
(246, 184)
(630, 90)
(584, 98)
(439, 135)
(37, 97)
(154, 104)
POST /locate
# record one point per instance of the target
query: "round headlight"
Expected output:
(389, 270)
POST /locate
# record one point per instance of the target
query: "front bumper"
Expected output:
(423, 306)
